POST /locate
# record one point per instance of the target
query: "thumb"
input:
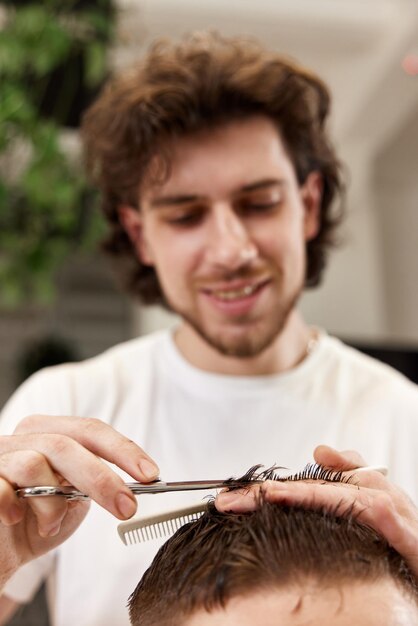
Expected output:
(334, 459)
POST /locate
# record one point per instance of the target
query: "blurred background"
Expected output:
(58, 299)
(55, 286)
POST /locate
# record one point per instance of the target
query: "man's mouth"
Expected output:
(236, 292)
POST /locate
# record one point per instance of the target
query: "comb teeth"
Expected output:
(158, 526)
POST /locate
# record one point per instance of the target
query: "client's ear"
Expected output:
(132, 223)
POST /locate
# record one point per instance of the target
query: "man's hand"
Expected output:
(47, 450)
(369, 496)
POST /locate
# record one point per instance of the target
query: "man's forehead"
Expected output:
(225, 158)
(378, 603)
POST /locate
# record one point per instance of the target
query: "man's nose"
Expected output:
(230, 244)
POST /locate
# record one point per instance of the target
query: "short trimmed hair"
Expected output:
(178, 89)
(225, 555)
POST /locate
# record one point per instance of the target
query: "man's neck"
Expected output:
(287, 350)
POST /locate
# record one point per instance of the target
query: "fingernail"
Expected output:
(149, 469)
(126, 505)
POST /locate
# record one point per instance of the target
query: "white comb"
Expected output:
(158, 526)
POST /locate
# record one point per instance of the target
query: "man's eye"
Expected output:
(259, 203)
(259, 207)
(185, 219)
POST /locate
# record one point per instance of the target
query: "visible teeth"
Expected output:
(236, 293)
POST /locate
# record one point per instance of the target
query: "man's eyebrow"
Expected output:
(176, 200)
(261, 184)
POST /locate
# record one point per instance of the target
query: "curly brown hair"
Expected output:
(182, 88)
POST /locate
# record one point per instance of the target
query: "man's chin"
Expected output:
(243, 339)
(243, 350)
(243, 345)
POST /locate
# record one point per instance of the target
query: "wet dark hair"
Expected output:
(224, 555)
(201, 82)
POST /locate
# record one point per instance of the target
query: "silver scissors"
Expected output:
(157, 486)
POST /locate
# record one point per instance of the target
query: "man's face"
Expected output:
(226, 234)
(359, 604)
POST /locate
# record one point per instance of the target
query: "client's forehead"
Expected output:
(380, 603)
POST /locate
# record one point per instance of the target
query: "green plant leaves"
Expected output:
(14, 104)
(34, 41)
(48, 211)
(95, 57)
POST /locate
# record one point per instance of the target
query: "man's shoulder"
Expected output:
(128, 351)
(132, 352)
(355, 367)
(85, 387)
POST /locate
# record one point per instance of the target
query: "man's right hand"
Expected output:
(48, 450)
(370, 497)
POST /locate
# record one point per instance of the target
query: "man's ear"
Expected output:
(312, 196)
(132, 223)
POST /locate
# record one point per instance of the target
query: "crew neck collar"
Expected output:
(178, 367)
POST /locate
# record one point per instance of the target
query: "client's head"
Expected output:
(276, 565)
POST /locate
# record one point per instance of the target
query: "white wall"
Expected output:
(396, 191)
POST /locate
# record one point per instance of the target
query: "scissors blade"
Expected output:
(185, 485)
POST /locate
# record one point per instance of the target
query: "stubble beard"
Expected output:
(254, 339)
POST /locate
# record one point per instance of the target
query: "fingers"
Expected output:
(368, 496)
(306, 493)
(367, 478)
(346, 460)
(400, 530)
(29, 467)
(310, 494)
(239, 500)
(242, 501)
(98, 437)
(332, 496)
(11, 510)
(80, 467)
(37, 544)
(31, 527)
(389, 512)
(74, 448)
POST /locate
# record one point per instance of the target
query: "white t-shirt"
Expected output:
(199, 425)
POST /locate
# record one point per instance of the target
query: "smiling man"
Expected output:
(220, 186)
